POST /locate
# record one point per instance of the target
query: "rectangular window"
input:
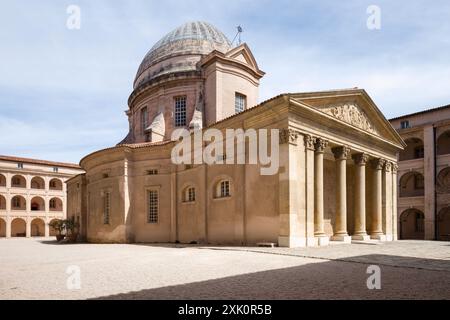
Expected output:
(239, 102)
(225, 189)
(191, 194)
(153, 206)
(405, 124)
(106, 207)
(55, 169)
(180, 112)
(20, 165)
(144, 119)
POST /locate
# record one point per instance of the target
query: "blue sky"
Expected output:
(63, 92)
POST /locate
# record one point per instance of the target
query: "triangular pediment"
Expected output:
(353, 108)
(243, 54)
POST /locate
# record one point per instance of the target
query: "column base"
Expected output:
(311, 242)
(361, 237)
(291, 242)
(389, 237)
(323, 241)
(342, 238)
(380, 237)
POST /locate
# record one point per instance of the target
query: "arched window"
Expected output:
(223, 189)
(443, 143)
(189, 194)
(2, 181)
(56, 184)
(37, 183)
(414, 150)
(412, 185)
(18, 182)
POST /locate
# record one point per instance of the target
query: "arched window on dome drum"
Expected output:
(144, 119)
(180, 111)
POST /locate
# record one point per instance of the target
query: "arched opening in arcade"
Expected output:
(412, 184)
(18, 228)
(412, 225)
(37, 204)
(413, 150)
(37, 228)
(444, 225)
(443, 143)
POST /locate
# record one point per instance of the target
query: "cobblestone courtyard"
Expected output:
(36, 269)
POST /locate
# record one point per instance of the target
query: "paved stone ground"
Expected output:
(36, 269)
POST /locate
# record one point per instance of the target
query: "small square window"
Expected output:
(20, 165)
(55, 169)
(152, 172)
(405, 124)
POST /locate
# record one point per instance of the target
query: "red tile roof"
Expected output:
(43, 162)
(420, 112)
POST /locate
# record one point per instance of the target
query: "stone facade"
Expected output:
(423, 175)
(32, 194)
(336, 152)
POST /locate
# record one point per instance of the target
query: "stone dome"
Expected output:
(192, 40)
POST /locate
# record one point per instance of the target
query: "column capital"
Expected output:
(341, 153)
(378, 163)
(320, 145)
(394, 167)
(388, 166)
(288, 135)
(360, 159)
(309, 141)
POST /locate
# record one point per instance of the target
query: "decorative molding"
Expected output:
(360, 159)
(320, 145)
(341, 153)
(378, 164)
(309, 142)
(388, 166)
(351, 113)
(394, 167)
(289, 136)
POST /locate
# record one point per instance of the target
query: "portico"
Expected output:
(345, 156)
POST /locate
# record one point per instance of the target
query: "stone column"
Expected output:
(394, 202)
(360, 197)
(340, 234)
(8, 227)
(47, 230)
(387, 200)
(319, 231)
(377, 202)
(28, 228)
(309, 142)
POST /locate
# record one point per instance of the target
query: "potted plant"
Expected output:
(72, 229)
(59, 226)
